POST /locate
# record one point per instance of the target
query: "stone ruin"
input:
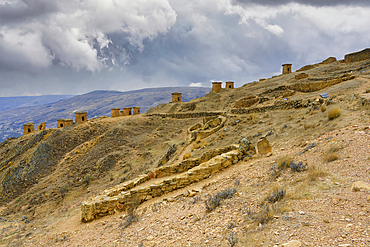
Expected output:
(287, 68)
(28, 128)
(301, 76)
(136, 110)
(115, 112)
(81, 117)
(42, 126)
(216, 87)
(127, 111)
(176, 97)
(229, 85)
(63, 123)
(357, 56)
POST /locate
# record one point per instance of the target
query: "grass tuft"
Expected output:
(334, 113)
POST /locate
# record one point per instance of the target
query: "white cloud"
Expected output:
(196, 84)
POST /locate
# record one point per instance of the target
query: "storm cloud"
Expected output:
(70, 47)
(305, 2)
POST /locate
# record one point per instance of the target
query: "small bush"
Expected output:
(276, 196)
(87, 179)
(298, 167)
(284, 162)
(63, 190)
(323, 108)
(233, 239)
(334, 113)
(214, 201)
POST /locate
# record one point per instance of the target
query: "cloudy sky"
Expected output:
(76, 46)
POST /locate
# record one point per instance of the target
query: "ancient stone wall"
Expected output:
(229, 85)
(301, 76)
(28, 128)
(136, 110)
(246, 102)
(118, 199)
(357, 56)
(216, 87)
(210, 127)
(81, 117)
(115, 112)
(187, 115)
(42, 126)
(176, 97)
(316, 86)
(287, 68)
(127, 111)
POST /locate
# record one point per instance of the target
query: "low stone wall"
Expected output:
(209, 128)
(282, 106)
(357, 56)
(316, 86)
(111, 203)
(187, 115)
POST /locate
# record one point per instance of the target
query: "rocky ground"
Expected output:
(262, 202)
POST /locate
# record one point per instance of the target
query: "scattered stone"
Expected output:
(246, 147)
(264, 146)
(293, 243)
(360, 185)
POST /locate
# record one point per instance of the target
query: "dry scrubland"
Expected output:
(311, 189)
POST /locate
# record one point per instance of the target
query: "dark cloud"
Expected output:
(18, 11)
(305, 2)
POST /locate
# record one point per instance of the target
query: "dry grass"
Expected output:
(332, 153)
(314, 172)
(334, 113)
(323, 108)
(309, 126)
(283, 162)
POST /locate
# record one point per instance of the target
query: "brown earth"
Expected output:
(65, 167)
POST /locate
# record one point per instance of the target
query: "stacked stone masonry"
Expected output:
(357, 56)
(119, 198)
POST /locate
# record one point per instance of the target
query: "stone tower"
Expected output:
(287, 68)
(64, 123)
(136, 110)
(42, 126)
(28, 128)
(115, 112)
(216, 86)
(126, 111)
(229, 85)
(81, 117)
(176, 97)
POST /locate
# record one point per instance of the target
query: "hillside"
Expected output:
(266, 164)
(97, 103)
(7, 103)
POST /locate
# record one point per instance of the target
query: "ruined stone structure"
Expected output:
(216, 87)
(115, 112)
(42, 126)
(81, 117)
(63, 123)
(176, 97)
(136, 110)
(301, 76)
(229, 85)
(287, 68)
(357, 56)
(28, 128)
(127, 111)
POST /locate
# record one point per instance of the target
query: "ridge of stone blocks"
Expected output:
(106, 205)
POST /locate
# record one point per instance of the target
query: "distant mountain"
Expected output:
(7, 103)
(96, 103)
